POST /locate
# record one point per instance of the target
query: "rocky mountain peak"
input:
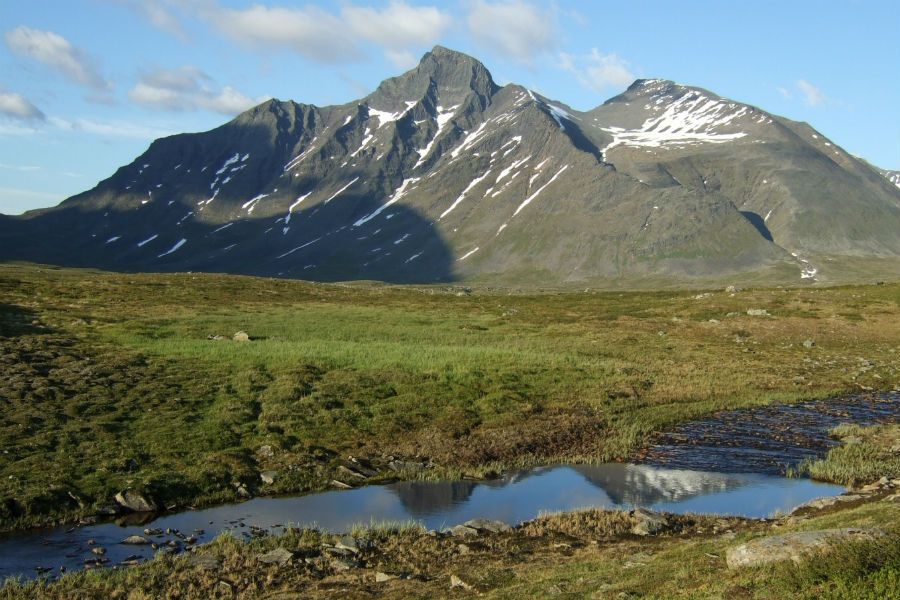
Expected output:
(440, 175)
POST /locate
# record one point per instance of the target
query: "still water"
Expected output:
(512, 499)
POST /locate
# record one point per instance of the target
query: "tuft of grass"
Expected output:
(867, 454)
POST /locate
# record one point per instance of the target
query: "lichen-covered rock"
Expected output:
(792, 546)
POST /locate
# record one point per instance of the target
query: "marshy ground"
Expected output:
(114, 381)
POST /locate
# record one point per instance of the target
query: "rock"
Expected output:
(649, 522)
(820, 503)
(733, 314)
(463, 531)
(401, 465)
(792, 546)
(268, 477)
(457, 582)
(205, 562)
(485, 525)
(713, 321)
(242, 490)
(354, 544)
(341, 485)
(136, 540)
(891, 498)
(98, 551)
(351, 473)
(731, 289)
(345, 564)
(758, 312)
(279, 556)
(382, 577)
(131, 500)
(809, 344)
(241, 336)
(214, 337)
(265, 451)
(702, 296)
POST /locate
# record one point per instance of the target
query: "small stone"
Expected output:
(134, 501)
(279, 556)
(241, 336)
(98, 551)
(268, 477)
(491, 526)
(809, 344)
(265, 451)
(341, 485)
(382, 577)
(649, 522)
(758, 312)
(136, 540)
(401, 465)
(463, 531)
(462, 548)
(345, 564)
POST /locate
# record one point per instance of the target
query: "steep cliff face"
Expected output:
(441, 175)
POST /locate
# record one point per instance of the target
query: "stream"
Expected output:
(740, 454)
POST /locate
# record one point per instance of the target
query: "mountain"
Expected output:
(442, 175)
(892, 176)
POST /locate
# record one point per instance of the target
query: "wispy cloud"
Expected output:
(57, 53)
(186, 89)
(812, 95)
(315, 33)
(17, 106)
(514, 28)
(598, 72)
(158, 13)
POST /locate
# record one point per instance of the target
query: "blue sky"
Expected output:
(86, 85)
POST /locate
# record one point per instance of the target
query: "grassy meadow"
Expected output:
(133, 380)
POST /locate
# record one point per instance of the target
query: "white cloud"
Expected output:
(784, 92)
(56, 52)
(22, 168)
(322, 36)
(397, 26)
(188, 88)
(309, 31)
(158, 13)
(515, 28)
(125, 129)
(811, 94)
(18, 107)
(598, 72)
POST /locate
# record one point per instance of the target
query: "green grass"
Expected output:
(111, 381)
(865, 459)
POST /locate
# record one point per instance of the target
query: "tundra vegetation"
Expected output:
(137, 381)
(114, 381)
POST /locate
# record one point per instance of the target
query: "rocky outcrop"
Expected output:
(793, 546)
(136, 502)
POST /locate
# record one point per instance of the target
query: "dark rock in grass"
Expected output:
(793, 546)
(648, 522)
(136, 540)
(345, 564)
(490, 526)
(402, 465)
(134, 501)
(279, 556)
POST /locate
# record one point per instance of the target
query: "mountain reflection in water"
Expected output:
(515, 498)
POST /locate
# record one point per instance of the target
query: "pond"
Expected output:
(512, 499)
(727, 464)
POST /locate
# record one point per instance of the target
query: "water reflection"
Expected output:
(513, 499)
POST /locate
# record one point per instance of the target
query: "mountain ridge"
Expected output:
(441, 175)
